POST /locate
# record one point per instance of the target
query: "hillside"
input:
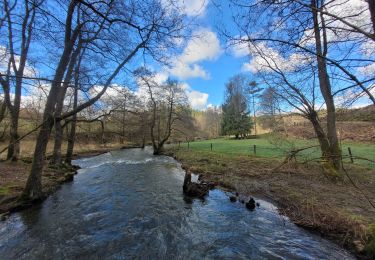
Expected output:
(358, 114)
(352, 124)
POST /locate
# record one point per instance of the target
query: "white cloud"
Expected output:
(194, 7)
(203, 46)
(264, 57)
(368, 48)
(250, 67)
(4, 59)
(239, 48)
(355, 12)
(198, 100)
(161, 77)
(188, 7)
(185, 71)
(35, 97)
(367, 70)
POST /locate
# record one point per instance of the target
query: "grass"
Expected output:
(4, 191)
(277, 148)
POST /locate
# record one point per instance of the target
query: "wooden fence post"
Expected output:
(211, 146)
(350, 155)
(179, 144)
(255, 149)
(188, 145)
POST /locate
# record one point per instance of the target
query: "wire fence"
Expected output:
(302, 154)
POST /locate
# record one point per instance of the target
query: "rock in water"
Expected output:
(233, 198)
(250, 204)
(194, 189)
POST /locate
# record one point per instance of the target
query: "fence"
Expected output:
(306, 154)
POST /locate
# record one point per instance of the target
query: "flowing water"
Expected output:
(129, 204)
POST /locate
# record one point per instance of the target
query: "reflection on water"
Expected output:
(129, 204)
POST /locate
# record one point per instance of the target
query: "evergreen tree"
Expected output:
(236, 115)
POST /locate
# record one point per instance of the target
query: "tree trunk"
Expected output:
(102, 137)
(73, 125)
(123, 123)
(56, 156)
(325, 87)
(320, 134)
(26, 34)
(3, 109)
(371, 7)
(14, 145)
(71, 141)
(33, 189)
(158, 149)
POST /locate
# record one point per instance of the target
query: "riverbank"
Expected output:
(13, 177)
(336, 210)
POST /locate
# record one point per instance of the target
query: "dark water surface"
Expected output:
(128, 204)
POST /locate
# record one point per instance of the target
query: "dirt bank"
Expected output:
(13, 176)
(336, 210)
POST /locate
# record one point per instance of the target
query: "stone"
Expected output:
(194, 189)
(250, 204)
(233, 198)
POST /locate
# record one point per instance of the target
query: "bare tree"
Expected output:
(330, 42)
(167, 104)
(145, 24)
(348, 31)
(269, 103)
(300, 93)
(17, 63)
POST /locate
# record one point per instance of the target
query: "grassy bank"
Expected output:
(276, 147)
(337, 210)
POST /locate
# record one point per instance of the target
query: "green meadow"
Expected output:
(274, 147)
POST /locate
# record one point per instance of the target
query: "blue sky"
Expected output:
(205, 64)
(220, 71)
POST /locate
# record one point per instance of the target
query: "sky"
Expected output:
(205, 63)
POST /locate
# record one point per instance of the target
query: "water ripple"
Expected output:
(129, 204)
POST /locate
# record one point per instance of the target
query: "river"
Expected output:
(129, 204)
